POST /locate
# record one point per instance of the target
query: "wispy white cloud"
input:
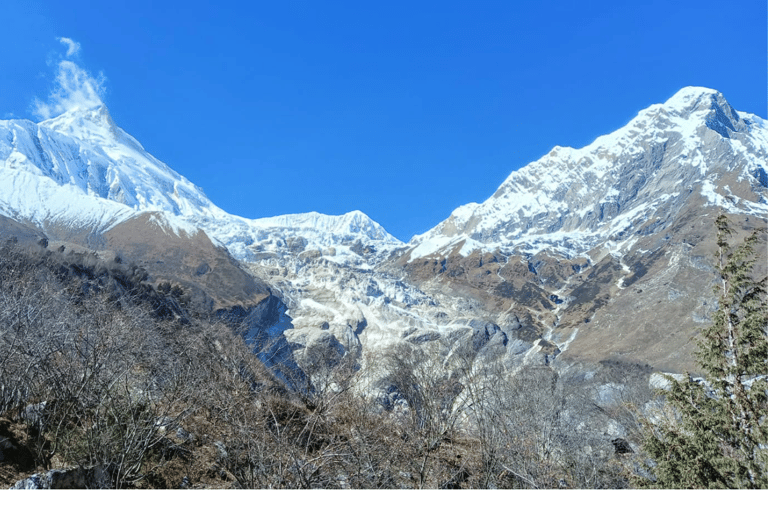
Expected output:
(74, 87)
(72, 46)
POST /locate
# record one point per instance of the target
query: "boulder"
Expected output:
(96, 477)
(621, 446)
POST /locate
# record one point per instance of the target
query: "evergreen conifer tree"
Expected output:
(716, 432)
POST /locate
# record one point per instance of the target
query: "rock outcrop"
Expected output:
(95, 477)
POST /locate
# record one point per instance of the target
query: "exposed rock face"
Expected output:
(598, 253)
(191, 260)
(75, 478)
(262, 327)
(606, 250)
(637, 179)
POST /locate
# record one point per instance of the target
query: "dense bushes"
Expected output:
(95, 357)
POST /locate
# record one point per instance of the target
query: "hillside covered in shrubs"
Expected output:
(101, 371)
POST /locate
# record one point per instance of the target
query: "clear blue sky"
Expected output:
(404, 110)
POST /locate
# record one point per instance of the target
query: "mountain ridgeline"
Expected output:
(585, 272)
(571, 255)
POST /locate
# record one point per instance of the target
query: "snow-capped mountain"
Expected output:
(81, 170)
(638, 177)
(84, 182)
(583, 246)
(573, 253)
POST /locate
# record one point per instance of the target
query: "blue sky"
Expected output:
(404, 110)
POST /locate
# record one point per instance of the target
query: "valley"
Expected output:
(561, 298)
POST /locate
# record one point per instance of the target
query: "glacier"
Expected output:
(347, 281)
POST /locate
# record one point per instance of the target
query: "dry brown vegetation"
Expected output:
(98, 369)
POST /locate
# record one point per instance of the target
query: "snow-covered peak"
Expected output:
(696, 106)
(93, 127)
(345, 239)
(351, 223)
(693, 141)
(83, 123)
(85, 147)
(80, 168)
(691, 97)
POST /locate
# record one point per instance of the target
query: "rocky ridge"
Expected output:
(604, 250)
(638, 178)
(597, 253)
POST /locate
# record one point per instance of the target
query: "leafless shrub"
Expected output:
(114, 370)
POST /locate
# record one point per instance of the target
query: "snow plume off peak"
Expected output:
(74, 87)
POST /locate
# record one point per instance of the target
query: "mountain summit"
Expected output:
(570, 258)
(586, 244)
(535, 316)
(81, 170)
(694, 148)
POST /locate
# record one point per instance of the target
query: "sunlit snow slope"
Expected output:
(82, 171)
(574, 199)
(553, 261)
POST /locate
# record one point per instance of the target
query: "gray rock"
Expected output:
(96, 477)
(310, 255)
(184, 435)
(296, 244)
(321, 349)
(34, 414)
(6, 448)
(424, 337)
(221, 449)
